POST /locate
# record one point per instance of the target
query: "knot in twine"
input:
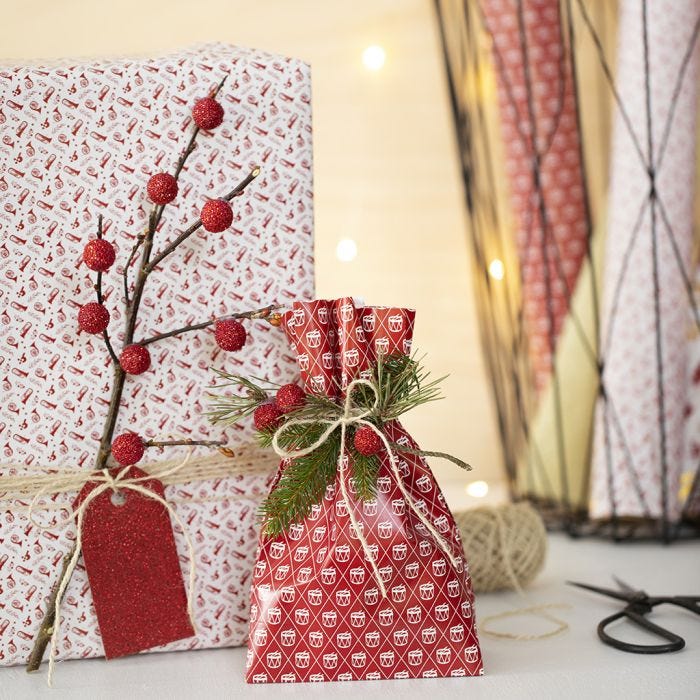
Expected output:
(506, 545)
(105, 481)
(353, 415)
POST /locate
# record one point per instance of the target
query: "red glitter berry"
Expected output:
(230, 334)
(216, 215)
(289, 397)
(99, 255)
(127, 449)
(366, 441)
(207, 113)
(135, 359)
(267, 416)
(162, 188)
(93, 318)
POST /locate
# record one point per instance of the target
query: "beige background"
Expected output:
(386, 169)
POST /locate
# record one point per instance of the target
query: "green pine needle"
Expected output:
(229, 408)
(302, 484)
(364, 473)
(402, 383)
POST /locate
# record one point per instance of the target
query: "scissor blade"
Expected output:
(619, 595)
(625, 586)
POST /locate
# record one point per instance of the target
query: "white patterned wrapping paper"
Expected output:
(628, 478)
(81, 139)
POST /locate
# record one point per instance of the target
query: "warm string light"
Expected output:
(497, 269)
(373, 57)
(346, 250)
(477, 489)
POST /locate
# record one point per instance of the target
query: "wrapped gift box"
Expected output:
(80, 140)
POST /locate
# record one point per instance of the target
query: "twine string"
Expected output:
(45, 480)
(353, 416)
(507, 546)
(105, 482)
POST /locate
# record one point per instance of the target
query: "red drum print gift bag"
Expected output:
(361, 589)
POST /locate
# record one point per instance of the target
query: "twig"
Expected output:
(189, 149)
(235, 192)
(176, 443)
(258, 313)
(144, 241)
(125, 274)
(46, 630)
(105, 332)
(98, 289)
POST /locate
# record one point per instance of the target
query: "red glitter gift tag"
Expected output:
(133, 568)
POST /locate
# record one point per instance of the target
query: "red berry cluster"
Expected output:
(268, 416)
(135, 359)
(99, 255)
(162, 188)
(230, 335)
(207, 113)
(93, 318)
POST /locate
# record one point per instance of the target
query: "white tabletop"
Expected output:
(572, 665)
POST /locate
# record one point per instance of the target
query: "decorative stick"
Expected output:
(235, 192)
(259, 313)
(189, 149)
(185, 442)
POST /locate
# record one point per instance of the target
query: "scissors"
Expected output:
(639, 604)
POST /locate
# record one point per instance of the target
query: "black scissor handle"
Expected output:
(675, 643)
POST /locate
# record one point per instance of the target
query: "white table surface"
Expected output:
(572, 665)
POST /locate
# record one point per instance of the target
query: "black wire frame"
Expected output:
(462, 27)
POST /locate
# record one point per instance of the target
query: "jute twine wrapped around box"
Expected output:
(21, 481)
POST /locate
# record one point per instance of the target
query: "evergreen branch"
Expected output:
(365, 470)
(302, 484)
(231, 408)
(402, 383)
(317, 407)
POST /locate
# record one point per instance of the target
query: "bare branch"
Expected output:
(235, 192)
(176, 443)
(100, 298)
(191, 145)
(258, 313)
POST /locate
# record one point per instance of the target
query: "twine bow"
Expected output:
(353, 416)
(106, 482)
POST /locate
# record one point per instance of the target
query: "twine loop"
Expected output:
(353, 415)
(106, 481)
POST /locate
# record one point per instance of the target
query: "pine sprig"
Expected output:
(228, 409)
(401, 383)
(365, 470)
(302, 484)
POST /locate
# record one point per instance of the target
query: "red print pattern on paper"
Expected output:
(81, 140)
(551, 247)
(317, 613)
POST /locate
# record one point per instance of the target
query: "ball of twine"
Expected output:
(505, 545)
